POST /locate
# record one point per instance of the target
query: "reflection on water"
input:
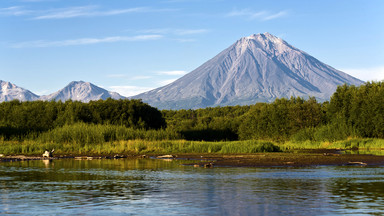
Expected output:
(157, 187)
(365, 151)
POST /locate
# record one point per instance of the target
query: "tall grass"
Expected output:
(349, 143)
(178, 146)
(84, 134)
(325, 133)
(139, 147)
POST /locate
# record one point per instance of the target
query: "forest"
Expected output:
(352, 112)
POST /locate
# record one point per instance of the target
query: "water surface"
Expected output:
(158, 187)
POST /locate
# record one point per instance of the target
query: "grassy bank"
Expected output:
(138, 147)
(348, 144)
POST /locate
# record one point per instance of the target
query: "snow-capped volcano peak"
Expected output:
(264, 37)
(257, 68)
(9, 91)
(267, 42)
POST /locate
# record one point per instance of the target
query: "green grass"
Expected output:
(84, 134)
(91, 139)
(350, 143)
(139, 147)
(29, 147)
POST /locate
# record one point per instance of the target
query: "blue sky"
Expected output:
(131, 46)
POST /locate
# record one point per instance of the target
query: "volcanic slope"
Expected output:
(258, 68)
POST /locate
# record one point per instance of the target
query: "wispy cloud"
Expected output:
(257, 15)
(180, 32)
(85, 41)
(86, 11)
(176, 34)
(37, 0)
(275, 15)
(129, 90)
(14, 11)
(172, 73)
(165, 82)
(74, 12)
(247, 13)
(366, 74)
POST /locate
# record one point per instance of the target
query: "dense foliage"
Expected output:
(23, 118)
(213, 123)
(352, 112)
(360, 110)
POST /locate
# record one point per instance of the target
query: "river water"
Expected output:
(159, 187)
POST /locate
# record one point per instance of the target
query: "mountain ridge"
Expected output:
(10, 91)
(81, 91)
(75, 90)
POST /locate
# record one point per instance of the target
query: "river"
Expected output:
(160, 187)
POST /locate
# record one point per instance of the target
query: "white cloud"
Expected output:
(259, 15)
(366, 74)
(129, 90)
(85, 41)
(172, 73)
(180, 32)
(14, 11)
(247, 13)
(165, 82)
(275, 15)
(73, 12)
(86, 11)
(177, 34)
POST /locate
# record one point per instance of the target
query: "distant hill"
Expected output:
(258, 68)
(76, 91)
(81, 91)
(9, 91)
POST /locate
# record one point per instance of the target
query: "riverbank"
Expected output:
(248, 153)
(140, 147)
(291, 160)
(319, 158)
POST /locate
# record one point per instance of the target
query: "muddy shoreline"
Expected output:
(293, 160)
(306, 158)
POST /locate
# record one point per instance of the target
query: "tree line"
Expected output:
(351, 112)
(22, 118)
